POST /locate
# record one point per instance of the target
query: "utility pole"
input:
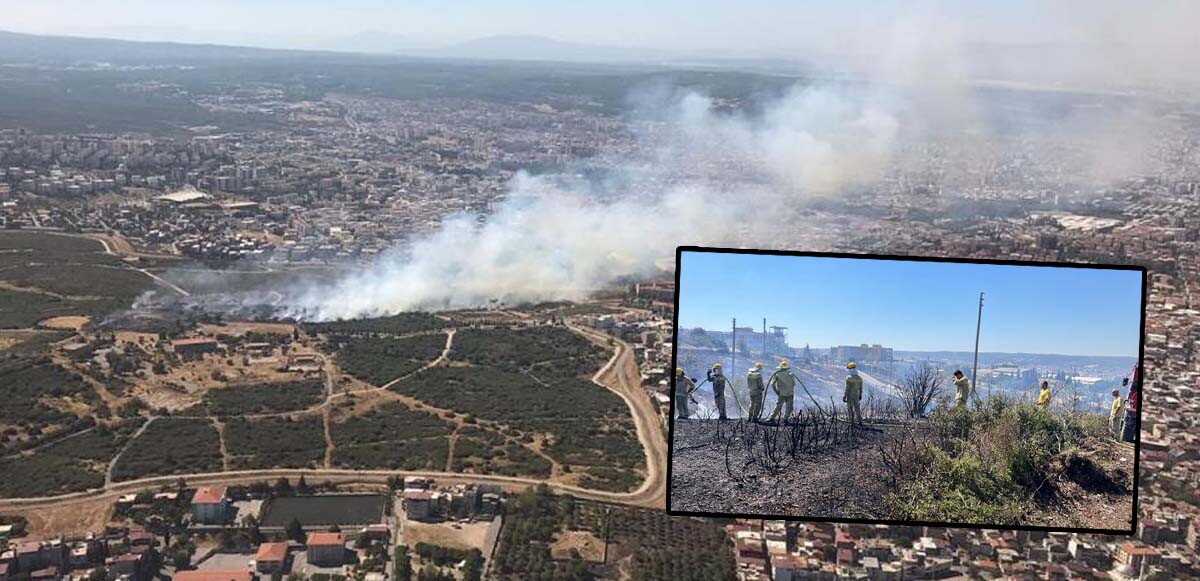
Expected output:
(764, 339)
(975, 364)
(733, 363)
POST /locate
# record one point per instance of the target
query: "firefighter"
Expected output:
(783, 382)
(1114, 412)
(1043, 400)
(962, 388)
(684, 386)
(754, 381)
(853, 394)
(718, 382)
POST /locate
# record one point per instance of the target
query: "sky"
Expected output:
(676, 24)
(917, 306)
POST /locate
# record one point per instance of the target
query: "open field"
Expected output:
(275, 443)
(380, 360)
(34, 285)
(341, 509)
(70, 465)
(237, 400)
(466, 537)
(40, 399)
(391, 436)
(171, 446)
(586, 424)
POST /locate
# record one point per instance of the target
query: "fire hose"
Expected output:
(732, 392)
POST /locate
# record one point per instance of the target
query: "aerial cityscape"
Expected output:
(377, 307)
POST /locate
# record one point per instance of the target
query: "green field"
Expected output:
(65, 275)
(394, 437)
(73, 464)
(171, 446)
(275, 443)
(30, 383)
(590, 426)
(380, 360)
(237, 400)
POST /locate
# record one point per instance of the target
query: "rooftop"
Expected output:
(212, 576)
(209, 495)
(325, 539)
(270, 552)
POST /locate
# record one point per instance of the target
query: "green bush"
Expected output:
(984, 465)
(961, 490)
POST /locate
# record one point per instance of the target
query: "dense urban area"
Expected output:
(149, 430)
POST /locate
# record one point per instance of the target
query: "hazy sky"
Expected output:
(849, 25)
(923, 306)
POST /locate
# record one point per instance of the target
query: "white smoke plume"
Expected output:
(559, 238)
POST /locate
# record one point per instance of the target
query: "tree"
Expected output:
(920, 387)
(473, 568)
(283, 487)
(295, 531)
(302, 486)
(404, 571)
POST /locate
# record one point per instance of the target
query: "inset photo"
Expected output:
(906, 390)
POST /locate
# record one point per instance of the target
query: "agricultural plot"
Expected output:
(380, 360)
(237, 400)
(391, 437)
(588, 425)
(514, 350)
(21, 309)
(171, 446)
(70, 465)
(275, 443)
(38, 262)
(334, 509)
(35, 393)
(642, 544)
(482, 452)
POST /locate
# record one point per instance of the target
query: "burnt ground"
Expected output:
(836, 483)
(1091, 486)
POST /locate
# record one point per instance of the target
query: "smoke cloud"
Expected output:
(708, 172)
(559, 237)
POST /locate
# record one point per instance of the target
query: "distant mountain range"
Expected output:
(144, 45)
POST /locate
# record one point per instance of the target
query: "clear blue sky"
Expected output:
(920, 306)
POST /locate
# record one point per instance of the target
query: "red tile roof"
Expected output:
(212, 576)
(1136, 549)
(271, 552)
(209, 495)
(325, 539)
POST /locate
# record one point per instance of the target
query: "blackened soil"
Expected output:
(841, 481)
